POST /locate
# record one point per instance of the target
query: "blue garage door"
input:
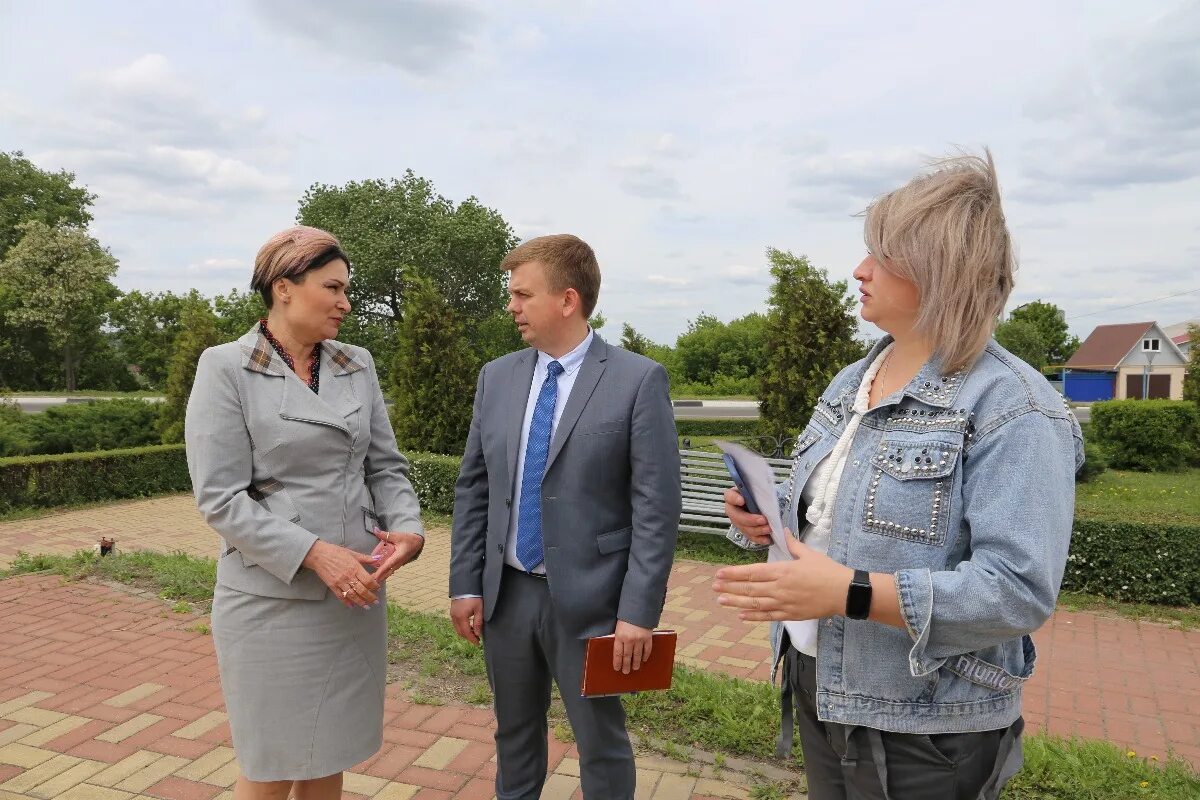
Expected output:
(1084, 387)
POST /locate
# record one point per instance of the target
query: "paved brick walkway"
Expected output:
(1135, 684)
(108, 694)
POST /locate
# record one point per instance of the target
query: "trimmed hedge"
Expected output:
(1135, 561)
(717, 427)
(1128, 561)
(1147, 435)
(72, 478)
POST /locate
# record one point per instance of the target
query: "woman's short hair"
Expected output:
(944, 230)
(569, 261)
(291, 254)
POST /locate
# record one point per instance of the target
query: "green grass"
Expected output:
(176, 577)
(1077, 769)
(1183, 618)
(715, 549)
(1148, 497)
(705, 710)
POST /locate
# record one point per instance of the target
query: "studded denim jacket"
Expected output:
(963, 487)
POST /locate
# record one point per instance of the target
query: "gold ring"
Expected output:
(345, 593)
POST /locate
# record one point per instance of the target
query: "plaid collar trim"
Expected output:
(261, 356)
(344, 362)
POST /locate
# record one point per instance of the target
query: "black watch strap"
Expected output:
(858, 597)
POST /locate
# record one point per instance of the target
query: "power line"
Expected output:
(1131, 305)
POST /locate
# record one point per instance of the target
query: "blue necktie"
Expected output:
(530, 551)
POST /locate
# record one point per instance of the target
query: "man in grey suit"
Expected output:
(565, 517)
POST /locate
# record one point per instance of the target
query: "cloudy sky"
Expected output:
(679, 138)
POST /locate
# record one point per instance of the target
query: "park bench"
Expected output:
(705, 480)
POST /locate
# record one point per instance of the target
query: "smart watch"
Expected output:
(858, 596)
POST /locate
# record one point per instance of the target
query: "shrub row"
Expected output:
(72, 478)
(79, 428)
(716, 427)
(1122, 560)
(1147, 435)
(1135, 562)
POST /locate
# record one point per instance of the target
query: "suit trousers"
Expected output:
(525, 648)
(852, 762)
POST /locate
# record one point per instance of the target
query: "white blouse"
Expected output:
(820, 495)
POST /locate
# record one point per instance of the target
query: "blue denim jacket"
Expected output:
(963, 486)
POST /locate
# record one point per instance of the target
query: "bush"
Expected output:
(433, 477)
(1146, 435)
(1136, 562)
(88, 427)
(73, 478)
(716, 427)
(70, 479)
(14, 439)
(1095, 462)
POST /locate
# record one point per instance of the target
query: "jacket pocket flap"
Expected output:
(907, 461)
(614, 541)
(604, 426)
(271, 495)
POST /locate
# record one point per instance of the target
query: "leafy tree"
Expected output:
(26, 359)
(633, 341)
(237, 312)
(810, 331)
(394, 229)
(146, 325)
(1024, 340)
(1191, 378)
(1057, 343)
(198, 331)
(62, 281)
(434, 374)
(494, 336)
(711, 349)
(28, 193)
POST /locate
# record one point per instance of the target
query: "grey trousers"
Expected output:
(851, 762)
(525, 649)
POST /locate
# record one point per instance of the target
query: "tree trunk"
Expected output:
(69, 367)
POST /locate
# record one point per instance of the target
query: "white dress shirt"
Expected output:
(820, 495)
(571, 362)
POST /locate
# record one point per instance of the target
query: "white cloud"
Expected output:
(1129, 115)
(642, 177)
(667, 280)
(421, 37)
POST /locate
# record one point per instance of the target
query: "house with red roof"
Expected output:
(1131, 361)
(1178, 333)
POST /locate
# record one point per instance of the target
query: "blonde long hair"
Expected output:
(945, 231)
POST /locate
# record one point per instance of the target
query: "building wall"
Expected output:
(1176, 373)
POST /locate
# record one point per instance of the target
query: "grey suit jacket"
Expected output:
(610, 496)
(275, 467)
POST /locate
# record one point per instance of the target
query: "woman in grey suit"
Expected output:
(294, 464)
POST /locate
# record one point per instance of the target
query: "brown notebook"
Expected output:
(600, 679)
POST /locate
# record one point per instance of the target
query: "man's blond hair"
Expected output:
(569, 261)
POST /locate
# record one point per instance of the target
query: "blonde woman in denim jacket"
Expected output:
(933, 491)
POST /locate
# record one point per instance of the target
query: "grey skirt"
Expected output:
(303, 682)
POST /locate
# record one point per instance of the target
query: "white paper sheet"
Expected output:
(760, 482)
